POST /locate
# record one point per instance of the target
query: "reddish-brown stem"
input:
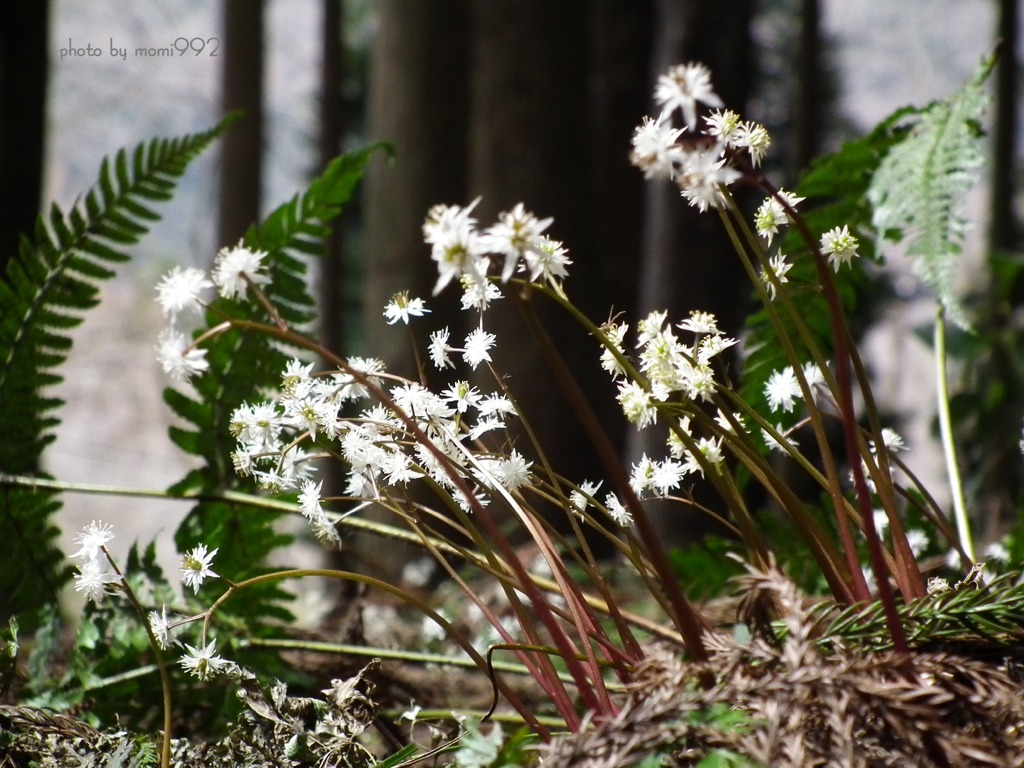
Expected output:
(844, 380)
(688, 621)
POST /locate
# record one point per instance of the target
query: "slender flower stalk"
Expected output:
(956, 487)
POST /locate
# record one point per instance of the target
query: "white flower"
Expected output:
(655, 148)
(754, 138)
(234, 266)
(937, 585)
(891, 439)
(160, 626)
(547, 259)
(455, 244)
(204, 663)
(917, 540)
(195, 566)
(617, 512)
(309, 500)
(774, 444)
(616, 334)
(700, 322)
(682, 87)
(179, 291)
(179, 358)
(514, 472)
(91, 540)
(723, 125)
(463, 396)
(478, 292)
(781, 389)
(401, 307)
(580, 499)
(93, 578)
(777, 268)
(840, 246)
(478, 345)
(439, 350)
(667, 475)
(517, 232)
(704, 176)
(997, 551)
(772, 214)
(642, 474)
(710, 449)
(637, 404)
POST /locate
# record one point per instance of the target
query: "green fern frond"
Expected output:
(970, 611)
(919, 186)
(242, 365)
(49, 284)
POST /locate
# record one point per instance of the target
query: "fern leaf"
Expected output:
(243, 364)
(49, 283)
(919, 187)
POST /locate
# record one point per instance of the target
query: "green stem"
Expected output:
(370, 581)
(161, 664)
(948, 445)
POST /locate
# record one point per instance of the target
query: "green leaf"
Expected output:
(48, 284)
(919, 187)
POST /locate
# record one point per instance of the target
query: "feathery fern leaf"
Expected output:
(919, 186)
(49, 284)
(242, 365)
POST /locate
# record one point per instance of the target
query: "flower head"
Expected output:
(160, 626)
(204, 663)
(180, 289)
(778, 267)
(517, 232)
(456, 245)
(234, 267)
(781, 389)
(401, 307)
(179, 358)
(617, 512)
(773, 214)
(92, 539)
(655, 148)
(195, 566)
(840, 246)
(704, 176)
(439, 350)
(478, 345)
(683, 87)
(93, 577)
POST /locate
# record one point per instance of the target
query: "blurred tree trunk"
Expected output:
(24, 68)
(1003, 227)
(242, 146)
(808, 98)
(417, 102)
(530, 139)
(332, 129)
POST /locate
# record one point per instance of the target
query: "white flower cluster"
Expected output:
(95, 572)
(668, 369)
(464, 252)
(278, 438)
(181, 291)
(702, 167)
(668, 365)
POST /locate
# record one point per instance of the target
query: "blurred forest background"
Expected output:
(511, 100)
